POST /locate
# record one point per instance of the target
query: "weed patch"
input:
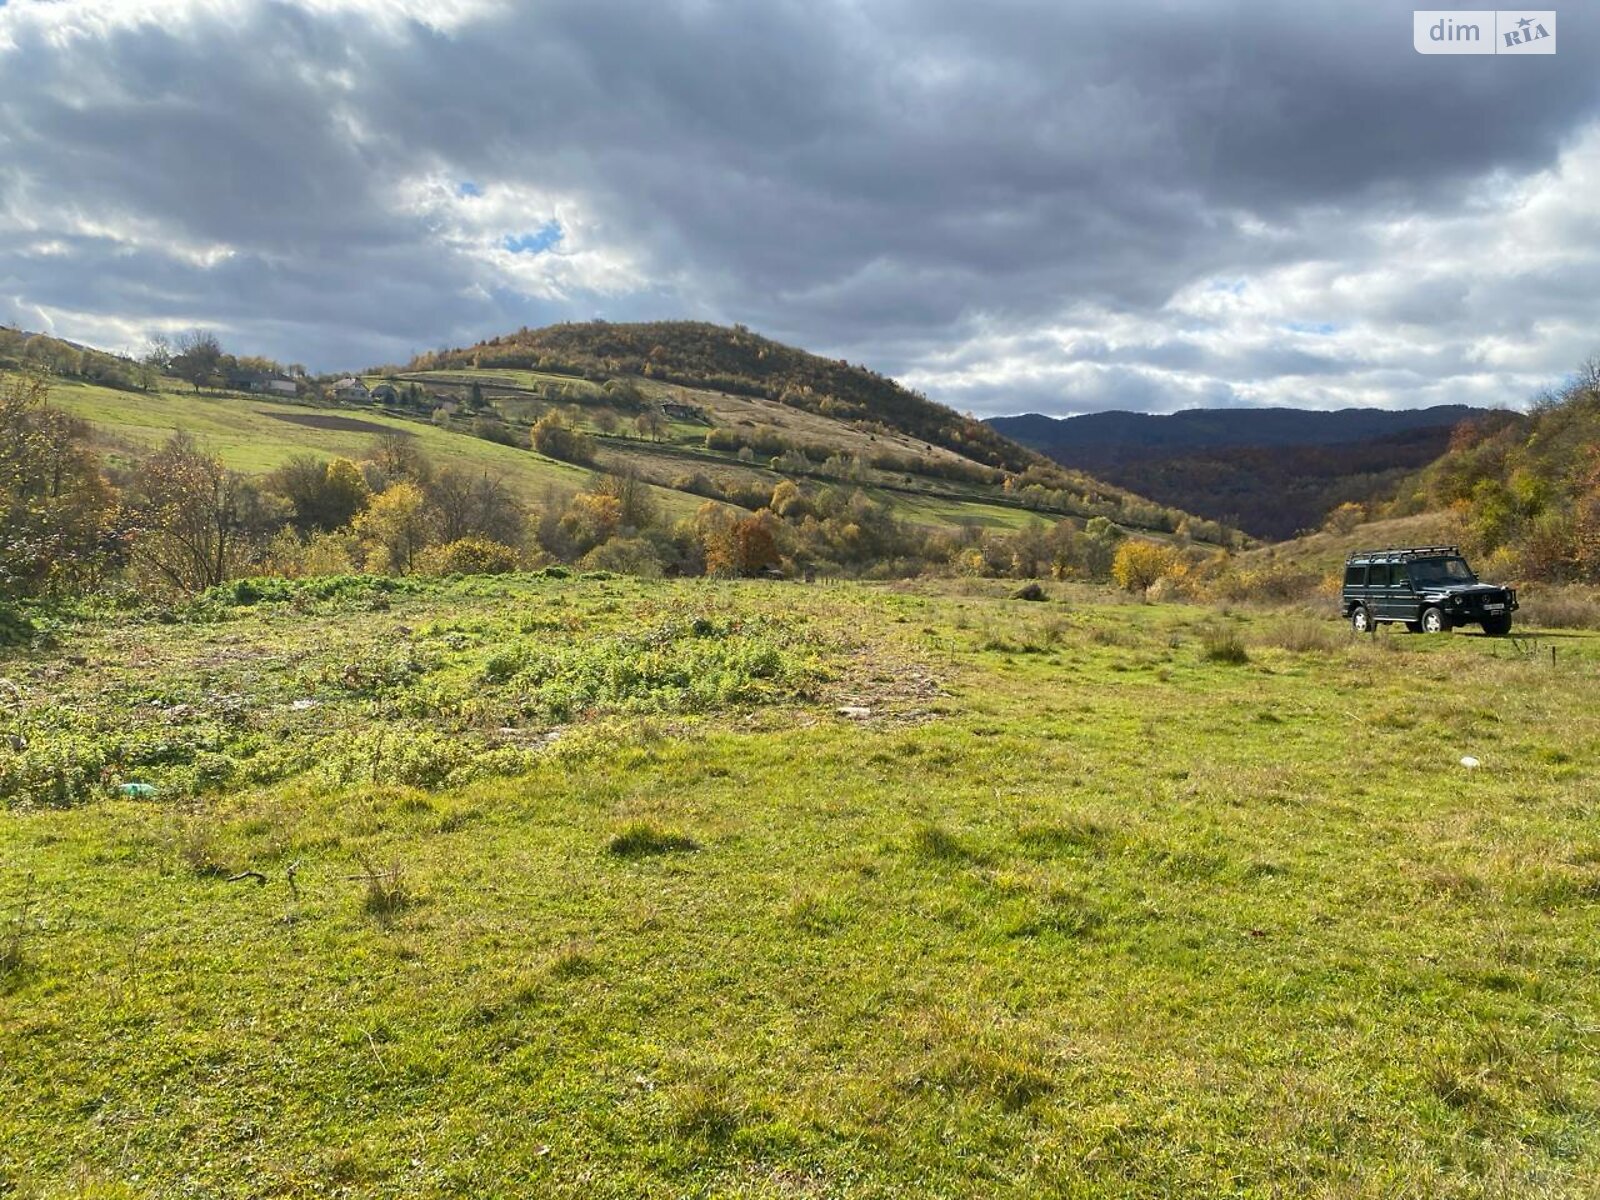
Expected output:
(643, 839)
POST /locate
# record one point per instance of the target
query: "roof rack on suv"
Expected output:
(1402, 552)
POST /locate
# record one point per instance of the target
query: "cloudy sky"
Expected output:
(1053, 207)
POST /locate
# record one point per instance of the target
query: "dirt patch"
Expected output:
(328, 421)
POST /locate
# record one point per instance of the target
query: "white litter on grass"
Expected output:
(302, 705)
(1470, 763)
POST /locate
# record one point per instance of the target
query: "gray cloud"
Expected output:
(1013, 206)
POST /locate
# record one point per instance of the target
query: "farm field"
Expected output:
(585, 886)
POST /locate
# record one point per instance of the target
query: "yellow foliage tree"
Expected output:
(1139, 563)
(395, 524)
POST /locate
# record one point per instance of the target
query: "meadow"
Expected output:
(255, 435)
(567, 885)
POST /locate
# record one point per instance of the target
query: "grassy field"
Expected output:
(592, 887)
(256, 435)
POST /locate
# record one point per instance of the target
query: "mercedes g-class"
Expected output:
(1428, 589)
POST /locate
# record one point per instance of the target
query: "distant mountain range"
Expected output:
(1272, 472)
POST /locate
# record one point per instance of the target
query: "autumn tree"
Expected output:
(590, 520)
(1139, 563)
(197, 357)
(632, 494)
(475, 504)
(395, 526)
(396, 458)
(199, 524)
(553, 437)
(755, 543)
(55, 508)
(324, 495)
(651, 423)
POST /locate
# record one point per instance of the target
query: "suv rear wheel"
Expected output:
(1361, 619)
(1433, 620)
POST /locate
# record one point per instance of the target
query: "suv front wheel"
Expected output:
(1361, 619)
(1433, 620)
(1497, 626)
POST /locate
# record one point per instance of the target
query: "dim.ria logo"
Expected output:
(1484, 31)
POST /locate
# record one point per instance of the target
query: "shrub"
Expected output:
(468, 556)
(552, 437)
(14, 627)
(626, 556)
(1273, 582)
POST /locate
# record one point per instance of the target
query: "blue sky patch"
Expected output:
(468, 187)
(1312, 327)
(537, 242)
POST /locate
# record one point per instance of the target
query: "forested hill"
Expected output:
(1137, 433)
(1272, 472)
(734, 360)
(1524, 489)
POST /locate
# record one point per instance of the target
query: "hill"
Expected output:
(735, 361)
(731, 405)
(1271, 472)
(604, 470)
(1524, 488)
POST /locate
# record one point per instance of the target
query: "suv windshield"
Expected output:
(1432, 572)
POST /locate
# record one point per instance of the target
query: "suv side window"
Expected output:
(1355, 576)
(1378, 575)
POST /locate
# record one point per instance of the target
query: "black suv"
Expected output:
(1428, 589)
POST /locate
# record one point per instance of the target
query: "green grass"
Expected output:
(1077, 910)
(250, 435)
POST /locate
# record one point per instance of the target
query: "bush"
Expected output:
(468, 556)
(14, 627)
(552, 437)
(1272, 583)
(625, 556)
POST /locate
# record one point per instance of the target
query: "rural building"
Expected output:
(263, 381)
(386, 393)
(351, 390)
(685, 412)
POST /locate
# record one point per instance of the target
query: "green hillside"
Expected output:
(738, 362)
(445, 469)
(255, 435)
(700, 413)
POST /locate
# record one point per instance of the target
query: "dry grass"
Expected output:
(1559, 608)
